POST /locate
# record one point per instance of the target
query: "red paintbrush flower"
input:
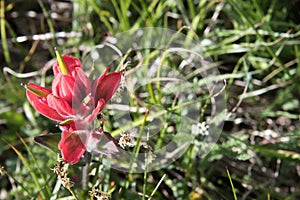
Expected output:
(74, 101)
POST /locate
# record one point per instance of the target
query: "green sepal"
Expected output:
(37, 92)
(61, 63)
(66, 122)
(49, 141)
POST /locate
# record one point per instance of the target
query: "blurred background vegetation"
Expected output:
(256, 46)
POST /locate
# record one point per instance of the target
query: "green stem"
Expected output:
(146, 169)
(3, 34)
(49, 22)
(73, 194)
(231, 183)
(101, 15)
(136, 149)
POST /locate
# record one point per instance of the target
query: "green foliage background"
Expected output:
(256, 46)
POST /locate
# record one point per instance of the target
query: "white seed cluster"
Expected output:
(126, 140)
(200, 128)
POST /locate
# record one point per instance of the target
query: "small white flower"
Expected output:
(195, 129)
(200, 129)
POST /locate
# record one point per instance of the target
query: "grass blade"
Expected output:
(231, 183)
(28, 166)
(3, 33)
(37, 165)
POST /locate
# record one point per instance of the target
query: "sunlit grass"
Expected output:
(255, 46)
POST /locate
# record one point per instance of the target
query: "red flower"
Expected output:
(71, 146)
(37, 96)
(74, 101)
(73, 143)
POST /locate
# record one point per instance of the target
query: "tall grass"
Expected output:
(255, 45)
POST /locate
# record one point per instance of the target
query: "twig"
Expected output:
(47, 36)
(214, 17)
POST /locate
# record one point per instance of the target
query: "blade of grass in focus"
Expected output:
(3, 33)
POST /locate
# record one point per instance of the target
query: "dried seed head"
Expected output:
(2, 170)
(149, 156)
(99, 195)
(62, 173)
(126, 140)
(66, 182)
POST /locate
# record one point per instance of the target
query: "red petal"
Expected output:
(56, 85)
(82, 109)
(82, 86)
(93, 139)
(102, 142)
(106, 86)
(63, 87)
(71, 146)
(96, 111)
(60, 105)
(40, 104)
(71, 63)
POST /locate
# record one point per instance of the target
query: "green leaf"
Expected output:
(291, 105)
(244, 156)
(49, 141)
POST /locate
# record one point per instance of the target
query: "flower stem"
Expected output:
(72, 192)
